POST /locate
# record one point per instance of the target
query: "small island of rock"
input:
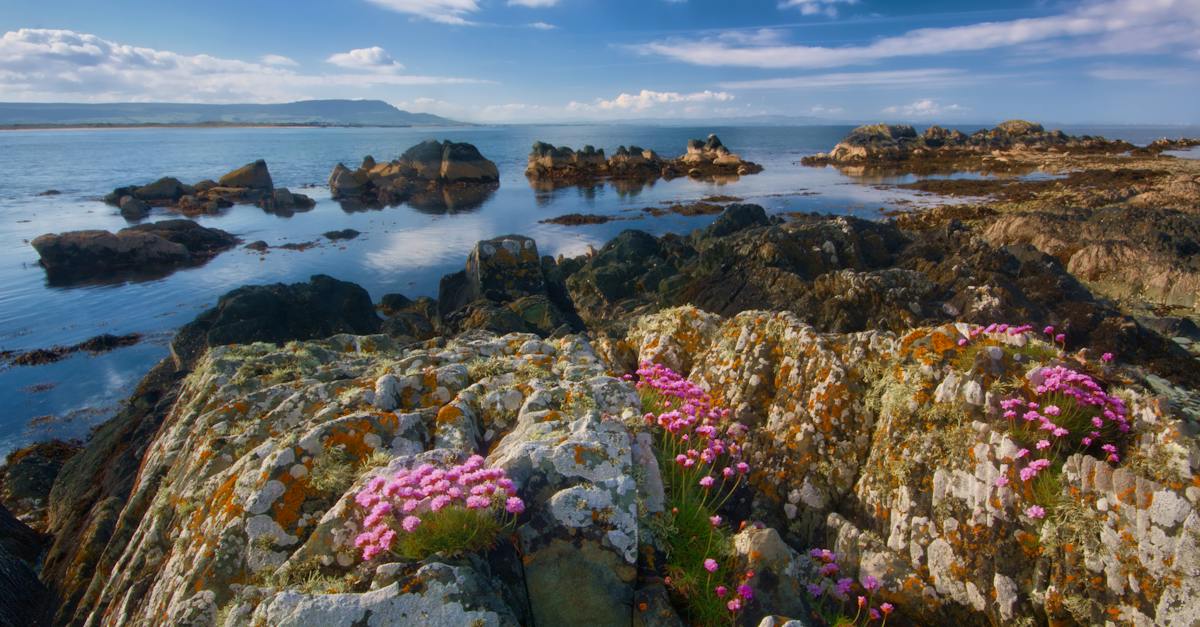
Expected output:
(708, 159)
(433, 174)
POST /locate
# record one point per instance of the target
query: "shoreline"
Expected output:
(213, 125)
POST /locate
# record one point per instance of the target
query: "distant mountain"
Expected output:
(305, 112)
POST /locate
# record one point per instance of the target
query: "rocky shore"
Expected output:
(557, 166)
(979, 413)
(883, 145)
(249, 184)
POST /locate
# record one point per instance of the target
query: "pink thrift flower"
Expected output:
(410, 523)
(886, 608)
(745, 592)
(870, 584)
(1022, 453)
(715, 520)
(734, 605)
(743, 468)
(514, 505)
(1001, 481)
(1060, 338)
(962, 342)
(1106, 357)
(1035, 511)
(1048, 330)
(477, 502)
(440, 501)
(706, 482)
(1043, 444)
(874, 614)
(710, 565)
(721, 591)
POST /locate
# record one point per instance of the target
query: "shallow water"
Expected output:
(402, 249)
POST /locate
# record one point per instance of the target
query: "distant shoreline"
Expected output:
(135, 125)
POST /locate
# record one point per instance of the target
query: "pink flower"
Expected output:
(743, 468)
(721, 591)
(1022, 453)
(962, 342)
(410, 523)
(514, 505)
(1106, 357)
(439, 502)
(829, 569)
(706, 482)
(1001, 481)
(1035, 511)
(745, 592)
(874, 614)
(710, 565)
(862, 602)
(477, 502)
(870, 584)
(1043, 444)
(715, 520)
(1060, 338)
(886, 608)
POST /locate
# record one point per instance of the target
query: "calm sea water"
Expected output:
(402, 249)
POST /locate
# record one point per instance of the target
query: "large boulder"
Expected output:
(252, 176)
(148, 249)
(432, 176)
(279, 313)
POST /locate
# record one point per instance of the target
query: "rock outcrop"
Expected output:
(892, 145)
(145, 250)
(563, 166)
(23, 599)
(845, 274)
(249, 184)
(433, 175)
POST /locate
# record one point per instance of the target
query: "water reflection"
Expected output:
(440, 200)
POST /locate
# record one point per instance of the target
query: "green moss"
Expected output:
(451, 532)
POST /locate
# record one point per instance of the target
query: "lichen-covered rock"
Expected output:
(249, 184)
(779, 574)
(889, 449)
(438, 595)
(245, 492)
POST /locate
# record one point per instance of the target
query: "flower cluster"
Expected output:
(700, 452)
(704, 448)
(1064, 412)
(995, 328)
(832, 593)
(411, 499)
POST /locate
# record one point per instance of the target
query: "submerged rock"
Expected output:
(147, 249)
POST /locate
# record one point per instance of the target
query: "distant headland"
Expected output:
(375, 113)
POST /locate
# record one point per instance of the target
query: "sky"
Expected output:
(523, 61)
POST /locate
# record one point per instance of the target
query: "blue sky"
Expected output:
(1114, 61)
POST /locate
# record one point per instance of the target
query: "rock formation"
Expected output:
(564, 166)
(883, 145)
(249, 184)
(434, 175)
(145, 250)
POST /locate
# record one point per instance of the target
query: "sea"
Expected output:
(402, 249)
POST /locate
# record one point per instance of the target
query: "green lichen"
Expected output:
(333, 471)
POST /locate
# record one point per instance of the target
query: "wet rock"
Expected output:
(883, 144)
(549, 166)
(50, 192)
(430, 174)
(148, 249)
(251, 176)
(506, 286)
(258, 245)
(133, 209)
(278, 313)
(343, 234)
(94, 345)
(23, 599)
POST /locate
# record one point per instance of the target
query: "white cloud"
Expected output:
(1152, 74)
(924, 108)
(815, 7)
(647, 99)
(40, 65)
(885, 78)
(541, 26)
(374, 59)
(277, 59)
(533, 4)
(1108, 27)
(822, 110)
(441, 11)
